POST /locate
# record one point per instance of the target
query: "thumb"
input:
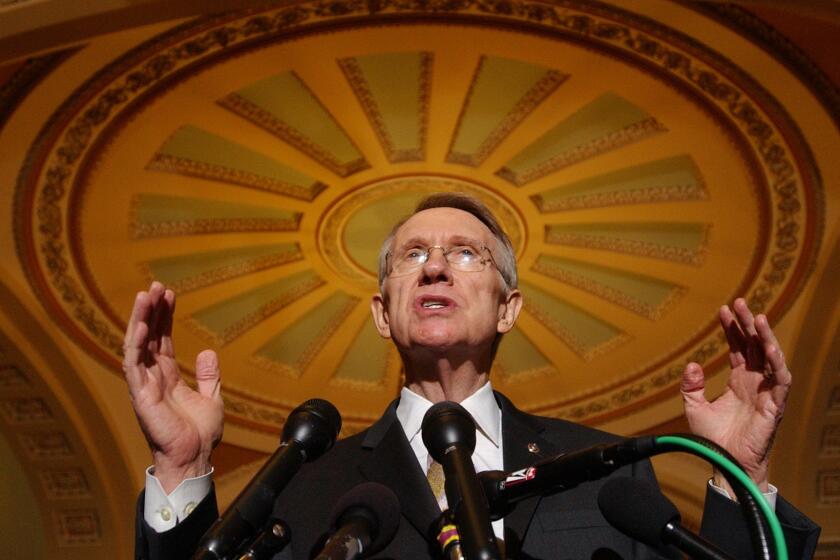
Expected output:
(207, 374)
(693, 385)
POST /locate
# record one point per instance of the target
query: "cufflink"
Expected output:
(533, 448)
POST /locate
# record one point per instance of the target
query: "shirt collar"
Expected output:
(481, 405)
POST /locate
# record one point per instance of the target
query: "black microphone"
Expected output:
(449, 435)
(639, 510)
(309, 432)
(363, 522)
(561, 472)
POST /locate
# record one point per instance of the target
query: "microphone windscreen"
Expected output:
(378, 504)
(314, 425)
(447, 424)
(326, 410)
(637, 508)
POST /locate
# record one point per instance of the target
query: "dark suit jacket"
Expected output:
(564, 525)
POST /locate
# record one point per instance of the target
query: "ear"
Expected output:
(509, 311)
(380, 315)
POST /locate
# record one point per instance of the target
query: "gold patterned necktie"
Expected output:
(437, 483)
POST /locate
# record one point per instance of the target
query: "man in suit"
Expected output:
(447, 295)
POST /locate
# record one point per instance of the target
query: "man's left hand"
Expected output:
(744, 419)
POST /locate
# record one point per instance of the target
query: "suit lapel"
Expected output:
(390, 461)
(523, 446)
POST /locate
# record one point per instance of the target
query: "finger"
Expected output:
(139, 313)
(765, 333)
(734, 336)
(754, 352)
(157, 316)
(745, 316)
(776, 367)
(133, 350)
(137, 330)
(693, 386)
(207, 374)
(166, 320)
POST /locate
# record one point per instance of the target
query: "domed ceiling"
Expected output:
(254, 162)
(650, 162)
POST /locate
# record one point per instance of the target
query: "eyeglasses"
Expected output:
(466, 258)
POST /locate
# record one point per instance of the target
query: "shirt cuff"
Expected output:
(163, 512)
(770, 495)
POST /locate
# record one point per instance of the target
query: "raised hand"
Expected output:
(744, 419)
(182, 426)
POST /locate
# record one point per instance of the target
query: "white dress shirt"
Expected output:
(484, 409)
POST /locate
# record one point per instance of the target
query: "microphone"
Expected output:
(449, 435)
(363, 521)
(309, 432)
(639, 510)
(561, 472)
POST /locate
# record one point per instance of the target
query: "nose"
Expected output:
(436, 268)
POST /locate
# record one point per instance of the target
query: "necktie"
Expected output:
(437, 481)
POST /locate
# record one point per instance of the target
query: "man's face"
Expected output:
(436, 307)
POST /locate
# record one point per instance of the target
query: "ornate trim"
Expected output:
(203, 170)
(779, 47)
(671, 193)
(356, 78)
(265, 120)
(586, 353)
(223, 273)
(627, 135)
(545, 86)
(652, 312)
(253, 319)
(629, 246)
(296, 369)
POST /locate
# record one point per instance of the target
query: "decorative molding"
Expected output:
(62, 484)
(524, 107)
(627, 135)
(251, 320)
(630, 246)
(608, 293)
(356, 78)
(46, 445)
(27, 410)
(315, 345)
(173, 164)
(828, 487)
(780, 47)
(578, 346)
(222, 273)
(78, 527)
(830, 440)
(265, 120)
(646, 195)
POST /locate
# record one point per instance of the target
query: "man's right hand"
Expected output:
(181, 425)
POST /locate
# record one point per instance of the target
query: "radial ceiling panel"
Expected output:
(256, 161)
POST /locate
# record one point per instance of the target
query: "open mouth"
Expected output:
(434, 302)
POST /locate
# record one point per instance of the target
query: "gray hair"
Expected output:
(505, 260)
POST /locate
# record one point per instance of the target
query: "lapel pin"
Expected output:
(533, 448)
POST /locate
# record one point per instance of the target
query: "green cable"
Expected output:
(735, 470)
